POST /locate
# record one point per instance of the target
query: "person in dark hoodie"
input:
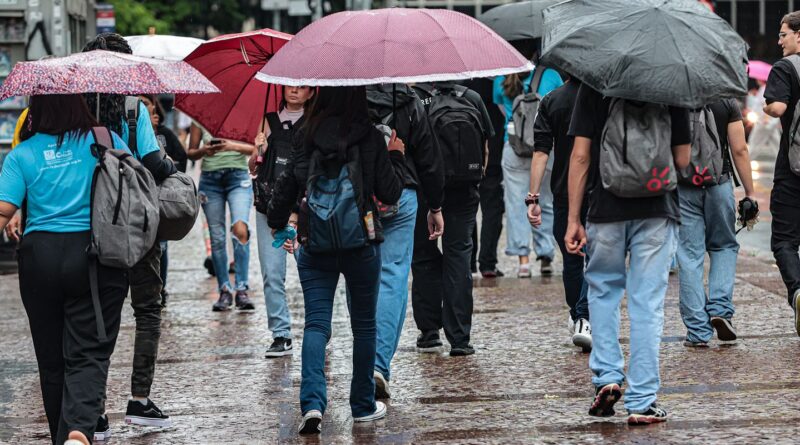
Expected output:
(338, 130)
(398, 107)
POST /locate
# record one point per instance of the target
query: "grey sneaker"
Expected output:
(654, 414)
(695, 344)
(724, 328)
(380, 413)
(311, 423)
(381, 386)
(224, 302)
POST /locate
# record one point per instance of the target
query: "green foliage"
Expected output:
(135, 18)
(182, 17)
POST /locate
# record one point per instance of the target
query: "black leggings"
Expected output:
(73, 362)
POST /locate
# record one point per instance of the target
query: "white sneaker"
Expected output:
(380, 413)
(583, 335)
(311, 423)
(570, 325)
(73, 442)
(381, 386)
(524, 270)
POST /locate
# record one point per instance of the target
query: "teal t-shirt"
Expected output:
(146, 141)
(549, 82)
(56, 180)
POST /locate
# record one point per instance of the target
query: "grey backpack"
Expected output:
(123, 215)
(705, 162)
(636, 150)
(523, 116)
(178, 202)
(794, 137)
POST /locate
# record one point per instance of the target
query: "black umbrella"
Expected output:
(673, 52)
(517, 21)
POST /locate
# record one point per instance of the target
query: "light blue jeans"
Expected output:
(273, 274)
(708, 218)
(651, 244)
(234, 187)
(516, 184)
(396, 252)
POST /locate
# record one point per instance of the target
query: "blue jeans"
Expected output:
(396, 252)
(234, 187)
(651, 243)
(319, 274)
(273, 274)
(516, 184)
(708, 218)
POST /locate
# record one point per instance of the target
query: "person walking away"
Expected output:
(52, 169)
(274, 149)
(708, 219)
(340, 163)
(516, 176)
(441, 289)
(640, 217)
(225, 179)
(782, 94)
(490, 188)
(398, 107)
(550, 136)
(144, 277)
(175, 150)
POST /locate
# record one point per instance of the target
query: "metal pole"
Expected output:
(276, 19)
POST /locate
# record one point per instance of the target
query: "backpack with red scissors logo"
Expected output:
(705, 162)
(636, 150)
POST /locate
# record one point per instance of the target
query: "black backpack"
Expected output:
(459, 131)
(279, 153)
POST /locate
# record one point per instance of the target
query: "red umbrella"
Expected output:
(103, 72)
(392, 45)
(231, 63)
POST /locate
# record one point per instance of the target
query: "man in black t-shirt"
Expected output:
(708, 220)
(782, 93)
(441, 289)
(645, 227)
(550, 135)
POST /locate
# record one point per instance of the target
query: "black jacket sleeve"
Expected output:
(426, 156)
(289, 187)
(388, 170)
(159, 165)
(542, 128)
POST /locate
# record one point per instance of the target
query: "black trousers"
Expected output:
(441, 290)
(785, 243)
(574, 285)
(492, 210)
(73, 362)
(146, 284)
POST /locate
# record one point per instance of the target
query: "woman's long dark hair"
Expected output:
(112, 106)
(59, 115)
(512, 83)
(349, 104)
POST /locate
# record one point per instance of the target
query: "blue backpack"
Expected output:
(337, 216)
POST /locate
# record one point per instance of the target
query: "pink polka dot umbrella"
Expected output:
(103, 72)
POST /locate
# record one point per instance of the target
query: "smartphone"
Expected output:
(215, 141)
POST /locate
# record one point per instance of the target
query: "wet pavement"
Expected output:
(525, 384)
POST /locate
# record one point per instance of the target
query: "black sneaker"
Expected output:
(461, 351)
(310, 424)
(653, 414)
(243, 302)
(546, 266)
(604, 399)
(724, 328)
(209, 265)
(429, 342)
(164, 298)
(102, 432)
(279, 348)
(492, 274)
(147, 415)
(224, 303)
(695, 344)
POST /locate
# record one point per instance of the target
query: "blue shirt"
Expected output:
(549, 82)
(57, 181)
(146, 141)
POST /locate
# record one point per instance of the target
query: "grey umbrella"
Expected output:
(517, 21)
(673, 52)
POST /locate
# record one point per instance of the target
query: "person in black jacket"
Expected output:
(397, 106)
(337, 122)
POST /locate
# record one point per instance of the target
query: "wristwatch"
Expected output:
(532, 199)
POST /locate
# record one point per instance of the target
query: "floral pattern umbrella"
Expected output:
(103, 72)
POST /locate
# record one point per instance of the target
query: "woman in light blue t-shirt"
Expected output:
(51, 170)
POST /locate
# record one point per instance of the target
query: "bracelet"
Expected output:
(532, 198)
(435, 211)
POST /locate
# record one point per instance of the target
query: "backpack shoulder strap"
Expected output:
(274, 122)
(460, 90)
(794, 59)
(132, 118)
(536, 80)
(102, 136)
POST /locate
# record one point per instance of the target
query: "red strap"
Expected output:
(102, 136)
